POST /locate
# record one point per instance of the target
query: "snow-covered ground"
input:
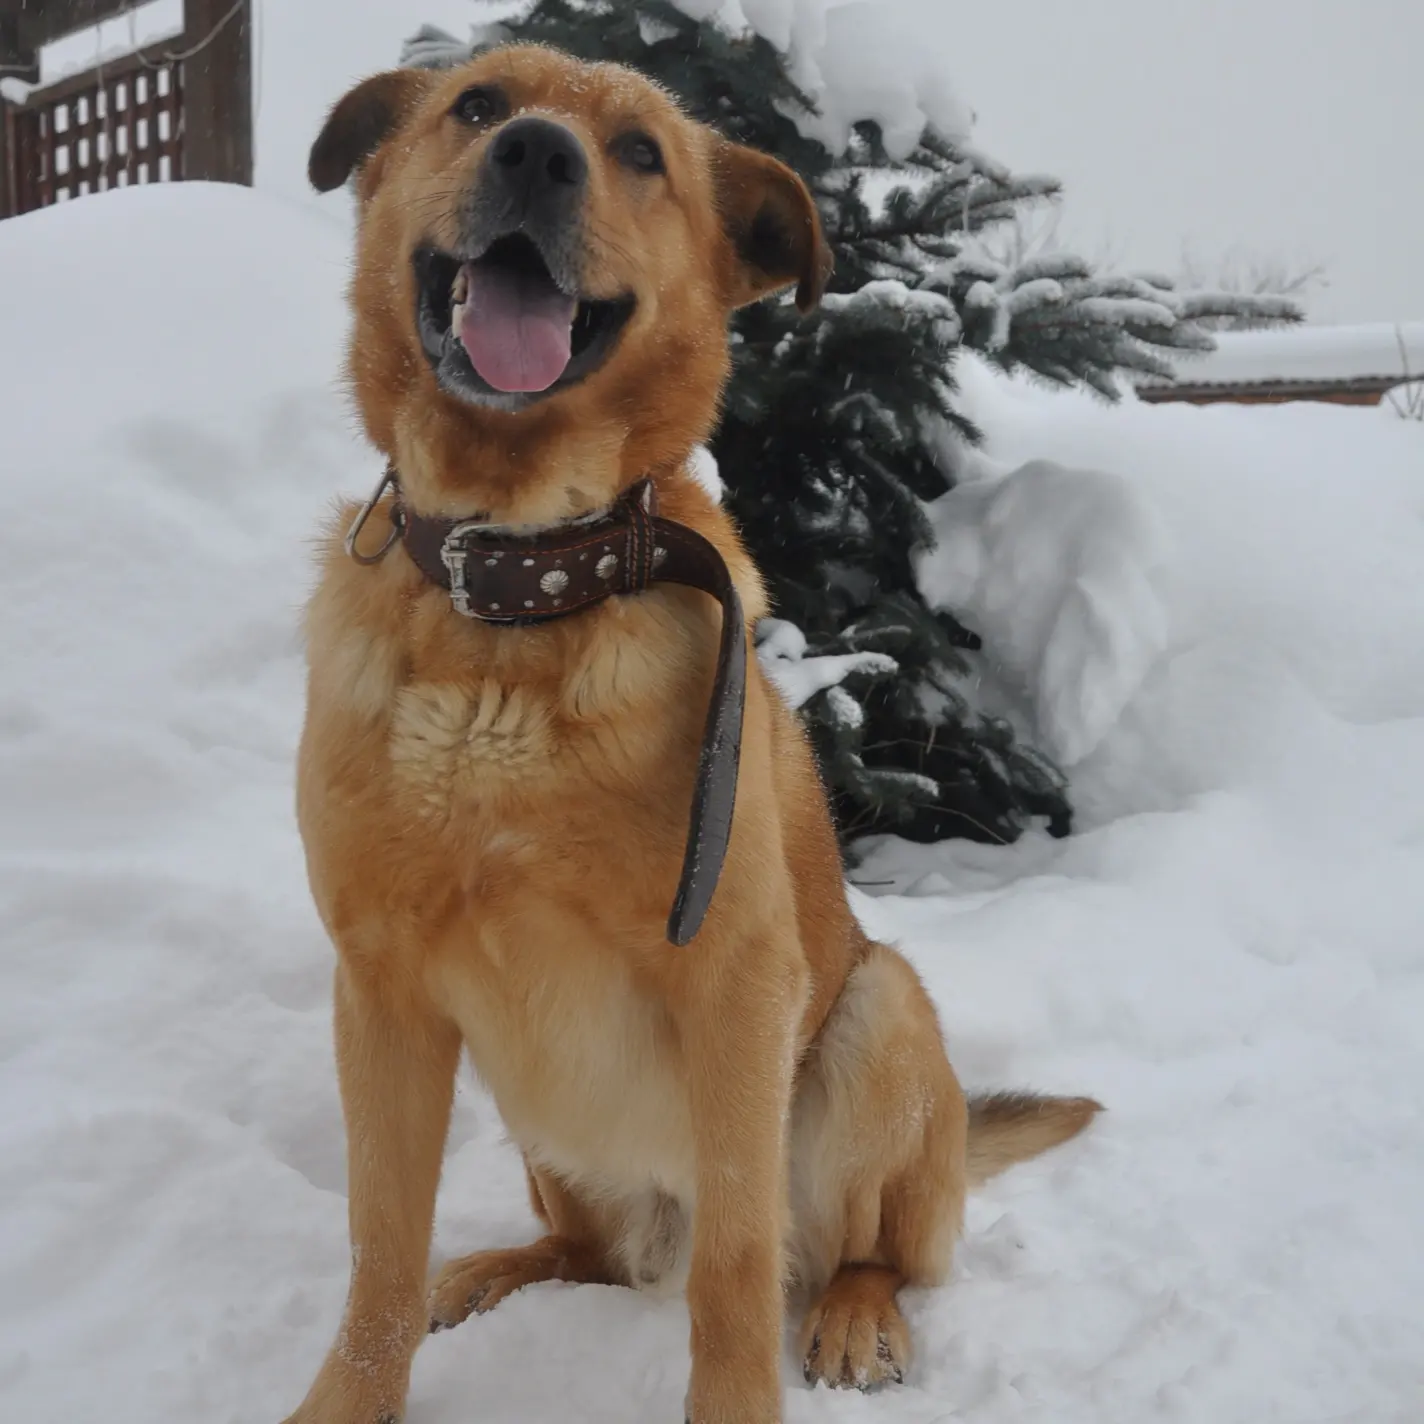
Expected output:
(1217, 615)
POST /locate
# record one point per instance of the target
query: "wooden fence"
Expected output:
(178, 108)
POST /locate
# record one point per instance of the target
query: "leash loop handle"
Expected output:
(388, 479)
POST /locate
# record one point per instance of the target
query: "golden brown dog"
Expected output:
(494, 815)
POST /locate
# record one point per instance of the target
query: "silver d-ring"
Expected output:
(364, 513)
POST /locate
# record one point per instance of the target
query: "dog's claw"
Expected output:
(808, 1368)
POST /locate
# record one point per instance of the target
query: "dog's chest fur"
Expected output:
(580, 1056)
(452, 746)
(503, 782)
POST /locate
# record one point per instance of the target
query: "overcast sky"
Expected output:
(1285, 128)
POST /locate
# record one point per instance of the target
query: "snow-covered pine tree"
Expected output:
(837, 427)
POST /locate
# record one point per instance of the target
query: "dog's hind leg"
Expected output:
(884, 1147)
(580, 1247)
(879, 1169)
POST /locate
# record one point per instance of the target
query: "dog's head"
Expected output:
(549, 246)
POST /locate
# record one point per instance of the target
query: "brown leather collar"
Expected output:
(503, 575)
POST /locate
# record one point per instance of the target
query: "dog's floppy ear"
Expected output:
(360, 123)
(773, 225)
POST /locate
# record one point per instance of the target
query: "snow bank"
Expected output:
(1288, 538)
(1231, 954)
(172, 432)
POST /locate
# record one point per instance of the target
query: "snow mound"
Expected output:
(1058, 570)
(1230, 954)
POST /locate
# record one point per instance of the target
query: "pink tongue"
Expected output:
(517, 327)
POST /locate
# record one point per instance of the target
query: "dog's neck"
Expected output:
(509, 475)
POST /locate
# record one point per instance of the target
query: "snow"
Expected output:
(781, 646)
(110, 39)
(886, 298)
(1230, 952)
(885, 60)
(703, 467)
(1062, 570)
(1374, 350)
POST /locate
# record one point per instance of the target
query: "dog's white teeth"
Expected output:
(459, 290)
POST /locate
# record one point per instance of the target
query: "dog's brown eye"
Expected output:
(478, 106)
(640, 152)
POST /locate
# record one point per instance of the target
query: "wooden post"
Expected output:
(18, 60)
(217, 91)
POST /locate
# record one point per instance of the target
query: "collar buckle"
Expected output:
(455, 556)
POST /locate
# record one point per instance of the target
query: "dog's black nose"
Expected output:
(539, 163)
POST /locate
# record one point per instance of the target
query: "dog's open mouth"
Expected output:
(501, 324)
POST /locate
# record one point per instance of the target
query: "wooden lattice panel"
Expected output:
(105, 129)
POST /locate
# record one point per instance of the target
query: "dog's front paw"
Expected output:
(725, 1398)
(343, 1394)
(736, 1414)
(302, 1417)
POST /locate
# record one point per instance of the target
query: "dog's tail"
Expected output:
(1005, 1128)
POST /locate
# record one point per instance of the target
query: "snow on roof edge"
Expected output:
(1375, 351)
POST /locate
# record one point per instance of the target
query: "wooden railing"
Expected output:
(180, 108)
